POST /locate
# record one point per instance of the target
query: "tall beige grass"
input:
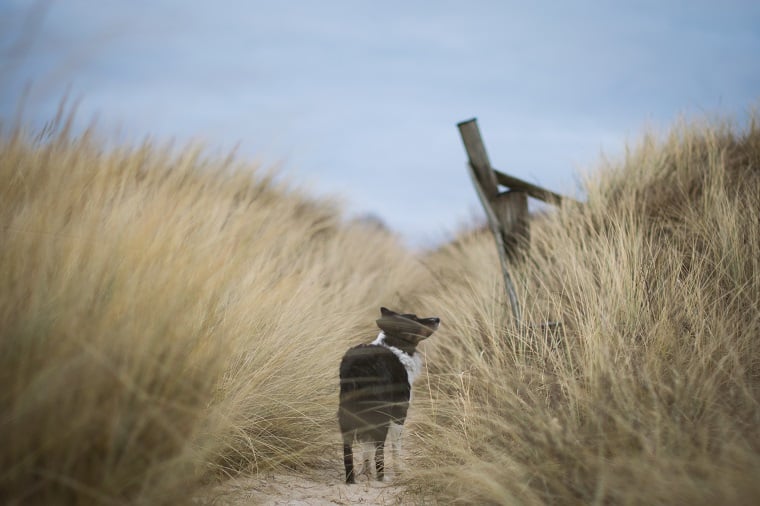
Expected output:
(167, 317)
(650, 393)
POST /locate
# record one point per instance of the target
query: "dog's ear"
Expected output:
(431, 323)
(384, 311)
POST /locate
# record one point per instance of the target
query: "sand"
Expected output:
(322, 486)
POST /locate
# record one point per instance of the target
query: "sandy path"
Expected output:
(322, 486)
(299, 490)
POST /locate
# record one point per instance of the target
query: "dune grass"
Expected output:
(650, 393)
(167, 319)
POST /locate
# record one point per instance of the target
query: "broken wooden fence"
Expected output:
(507, 211)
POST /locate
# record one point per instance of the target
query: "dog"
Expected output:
(376, 387)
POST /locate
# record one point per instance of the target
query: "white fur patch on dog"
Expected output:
(412, 363)
(367, 450)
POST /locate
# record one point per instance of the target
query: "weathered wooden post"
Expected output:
(507, 212)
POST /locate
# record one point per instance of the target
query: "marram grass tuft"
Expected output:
(165, 318)
(650, 392)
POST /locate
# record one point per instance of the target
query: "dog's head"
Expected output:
(407, 326)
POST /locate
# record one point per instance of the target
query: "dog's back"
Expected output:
(374, 392)
(376, 384)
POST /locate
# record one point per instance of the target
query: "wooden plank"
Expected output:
(493, 223)
(511, 209)
(489, 177)
(534, 191)
(478, 158)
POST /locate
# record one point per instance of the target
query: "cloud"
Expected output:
(360, 96)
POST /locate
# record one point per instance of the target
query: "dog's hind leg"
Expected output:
(379, 460)
(395, 439)
(367, 448)
(348, 460)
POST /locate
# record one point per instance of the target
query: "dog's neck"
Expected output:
(397, 341)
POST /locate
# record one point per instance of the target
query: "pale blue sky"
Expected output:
(361, 99)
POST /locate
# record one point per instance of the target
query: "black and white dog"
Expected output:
(376, 387)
